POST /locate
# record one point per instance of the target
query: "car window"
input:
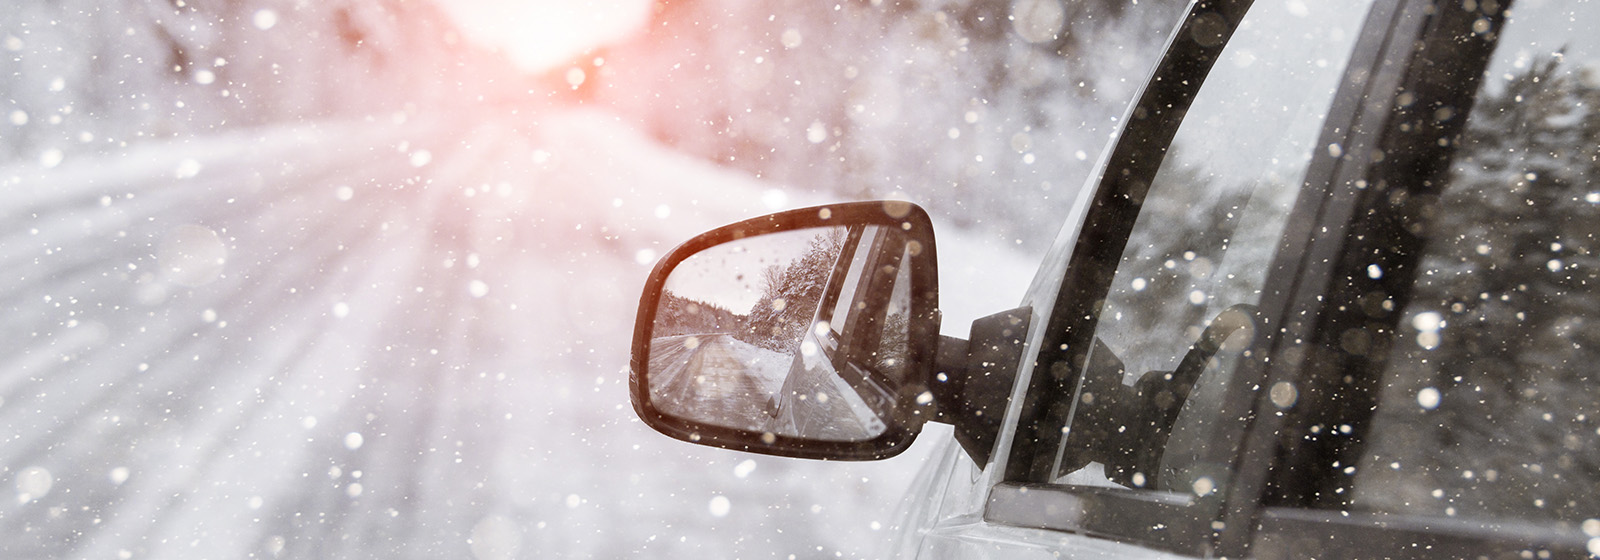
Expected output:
(1490, 405)
(1180, 307)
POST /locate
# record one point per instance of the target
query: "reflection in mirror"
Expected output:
(800, 333)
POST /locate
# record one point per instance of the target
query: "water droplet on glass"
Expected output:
(1428, 398)
(186, 169)
(1038, 21)
(896, 208)
(1591, 527)
(1428, 321)
(420, 158)
(33, 483)
(264, 19)
(192, 255)
(774, 199)
(1283, 394)
(1428, 340)
(496, 538)
(51, 158)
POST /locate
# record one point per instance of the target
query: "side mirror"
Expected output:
(808, 333)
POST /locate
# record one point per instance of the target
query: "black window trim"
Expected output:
(1357, 113)
(1368, 221)
(1138, 154)
(1159, 519)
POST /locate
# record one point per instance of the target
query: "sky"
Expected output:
(729, 275)
(538, 35)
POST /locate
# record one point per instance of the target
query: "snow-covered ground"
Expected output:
(390, 338)
(766, 367)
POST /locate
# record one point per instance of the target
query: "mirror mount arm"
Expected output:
(972, 379)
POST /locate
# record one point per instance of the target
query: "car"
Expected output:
(1334, 292)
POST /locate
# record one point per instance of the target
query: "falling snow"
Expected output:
(228, 333)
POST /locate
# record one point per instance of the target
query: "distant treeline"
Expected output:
(990, 113)
(94, 75)
(677, 315)
(788, 303)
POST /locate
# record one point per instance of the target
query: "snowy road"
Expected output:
(396, 339)
(709, 382)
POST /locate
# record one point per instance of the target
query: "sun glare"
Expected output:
(541, 34)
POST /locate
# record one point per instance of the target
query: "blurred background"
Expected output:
(355, 279)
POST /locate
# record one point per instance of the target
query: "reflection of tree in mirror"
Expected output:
(893, 350)
(791, 293)
(677, 315)
(1490, 405)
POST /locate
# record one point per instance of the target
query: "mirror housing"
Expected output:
(814, 379)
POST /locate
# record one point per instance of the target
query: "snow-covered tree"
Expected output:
(1500, 347)
(791, 293)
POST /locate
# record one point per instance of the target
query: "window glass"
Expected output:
(1491, 402)
(1198, 256)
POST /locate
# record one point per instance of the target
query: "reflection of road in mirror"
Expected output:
(717, 379)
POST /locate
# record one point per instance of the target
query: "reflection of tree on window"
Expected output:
(1490, 406)
(678, 315)
(791, 292)
(892, 349)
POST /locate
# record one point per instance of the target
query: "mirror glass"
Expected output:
(799, 333)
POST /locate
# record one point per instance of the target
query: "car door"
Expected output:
(1128, 425)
